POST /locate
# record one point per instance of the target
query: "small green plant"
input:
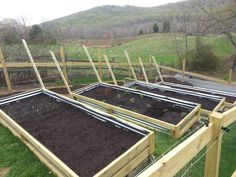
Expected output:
(132, 100)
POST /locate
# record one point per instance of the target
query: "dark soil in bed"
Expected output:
(161, 110)
(81, 141)
(229, 99)
(205, 103)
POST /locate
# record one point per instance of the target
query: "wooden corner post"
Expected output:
(34, 65)
(110, 70)
(143, 69)
(130, 65)
(214, 147)
(5, 72)
(92, 64)
(61, 73)
(63, 59)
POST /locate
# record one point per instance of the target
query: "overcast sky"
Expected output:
(42, 10)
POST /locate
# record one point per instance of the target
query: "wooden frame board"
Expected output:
(143, 120)
(121, 166)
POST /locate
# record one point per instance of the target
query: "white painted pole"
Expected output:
(143, 70)
(34, 65)
(158, 69)
(61, 73)
(110, 70)
(130, 65)
(92, 64)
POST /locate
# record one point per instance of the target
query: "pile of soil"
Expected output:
(81, 141)
(206, 103)
(229, 99)
(161, 110)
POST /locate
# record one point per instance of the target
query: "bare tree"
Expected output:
(220, 20)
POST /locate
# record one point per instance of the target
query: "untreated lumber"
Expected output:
(110, 70)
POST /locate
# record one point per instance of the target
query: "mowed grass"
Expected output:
(16, 156)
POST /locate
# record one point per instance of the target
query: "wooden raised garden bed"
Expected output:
(73, 139)
(230, 97)
(208, 102)
(147, 109)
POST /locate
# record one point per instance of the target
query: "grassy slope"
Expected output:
(161, 45)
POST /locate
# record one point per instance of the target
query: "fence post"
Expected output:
(5, 72)
(230, 76)
(183, 68)
(63, 59)
(214, 147)
(150, 67)
(99, 62)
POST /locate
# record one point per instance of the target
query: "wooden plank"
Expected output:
(229, 117)
(46, 156)
(132, 164)
(34, 66)
(5, 72)
(191, 119)
(158, 69)
(177, 158)
(110, 70)
(130, 65)
(214, 147)
(124, 159)
(92, 64)
(61, 74)
(63, 59)
(143, 70)
(217, 108)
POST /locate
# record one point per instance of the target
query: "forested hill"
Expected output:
(116, 21)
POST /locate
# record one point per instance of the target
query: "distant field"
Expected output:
(162, 46)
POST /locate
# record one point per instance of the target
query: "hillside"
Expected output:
(117, 21)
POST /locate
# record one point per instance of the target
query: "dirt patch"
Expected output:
(229, 99)
(161, 110)
(207, 104)
(4, 171)
(81, 141)
(64, 91)
(173, 80)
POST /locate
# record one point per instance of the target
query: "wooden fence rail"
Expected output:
(100, 65)
(209, 136)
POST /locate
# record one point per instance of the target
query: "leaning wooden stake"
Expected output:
(143, 70)
(92, 64)
(5, 72)
(61, 73)
(63, 59)
(130, 65)
(158, 69)
(34, 65)
(110, 70)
